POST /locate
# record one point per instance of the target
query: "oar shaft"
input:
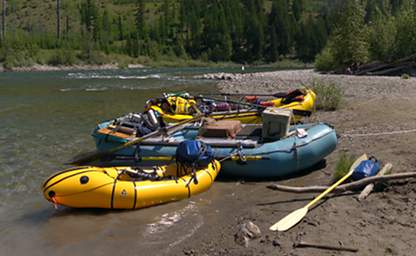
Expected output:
(329, 189)
(276, 95)
(294, 111)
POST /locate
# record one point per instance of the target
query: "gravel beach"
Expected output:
(383, 224)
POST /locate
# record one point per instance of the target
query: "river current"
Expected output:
(45, 119)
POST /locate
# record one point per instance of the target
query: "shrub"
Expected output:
(62, 57)
(94, 57)
(343, 165)
(15, 58)
(405, 76)
(329, 95)
(325, 61)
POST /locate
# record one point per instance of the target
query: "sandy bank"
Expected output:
(383, 224)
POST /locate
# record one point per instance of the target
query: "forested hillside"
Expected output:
(244, 31)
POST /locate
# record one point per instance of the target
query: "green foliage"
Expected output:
(343, 165)
(310, 38)
(389, 34)
(406, 33)
(62, 57)
(349, 39)
(329, 95)
(405, 76)
(382, 37)
(249, 31)
(325, 61)
(94, 58)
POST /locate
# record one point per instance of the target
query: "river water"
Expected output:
(45, 119)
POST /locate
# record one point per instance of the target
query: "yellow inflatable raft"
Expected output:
(305, 104)
(126, 187)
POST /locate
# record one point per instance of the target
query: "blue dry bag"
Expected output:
(366, 169)
(194, 153)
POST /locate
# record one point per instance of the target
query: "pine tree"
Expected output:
(282, 22)
(297, 9)
(405, 41)
(254, 30)
(140, 24)
(120, 28)
(105, 37)
(58, 19)
(348, 46)
(3, 20)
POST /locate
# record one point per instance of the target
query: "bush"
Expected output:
(62, 57)
(94, 57)
(382, 38)
(405, 76)
(325, 61)
(16, 58)
(344, 164)
(329, 95)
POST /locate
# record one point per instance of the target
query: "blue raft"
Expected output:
(280, 158)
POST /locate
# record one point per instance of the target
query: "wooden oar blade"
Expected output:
(290, 220)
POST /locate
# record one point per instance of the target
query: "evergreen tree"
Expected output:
(282, 22)
(3, 19)
(297, 9)
(105, 37)
(382, 36)
(348, 43)
(254, 30)
(58, 19)
(140, 24)
(120, 28)
(405, 41)
(310, 39)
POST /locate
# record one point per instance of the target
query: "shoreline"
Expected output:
(47, 68)
(382, 224)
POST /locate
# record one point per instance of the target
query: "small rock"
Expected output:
(275, 243)
(188, 252)
(246, 232)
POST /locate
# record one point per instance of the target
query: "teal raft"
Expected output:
(301, 146)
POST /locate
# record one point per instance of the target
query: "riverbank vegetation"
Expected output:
(329, 95)
(94, 32)
(368, 31)
(193, 32)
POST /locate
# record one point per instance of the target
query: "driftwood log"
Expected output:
(355, 185)
(326, 247)
(369, 188)
(398, 67)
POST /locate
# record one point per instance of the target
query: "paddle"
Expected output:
(297, 215)
(95, 155)
(294, 111)
(276, 95)
(233, 157)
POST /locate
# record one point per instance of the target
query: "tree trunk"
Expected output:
(3, 20)
(58, 19)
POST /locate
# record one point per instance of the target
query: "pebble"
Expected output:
(246, 232)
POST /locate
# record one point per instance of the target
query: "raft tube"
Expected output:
(112, 188)
(279, 158)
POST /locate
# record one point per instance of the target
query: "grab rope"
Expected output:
(352, 135)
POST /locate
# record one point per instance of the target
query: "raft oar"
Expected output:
(233, 157)
(276, 95)
(294, 111)
(294, 217)
(97, 154)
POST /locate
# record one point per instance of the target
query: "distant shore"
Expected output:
(119, 63)
(46, 68)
